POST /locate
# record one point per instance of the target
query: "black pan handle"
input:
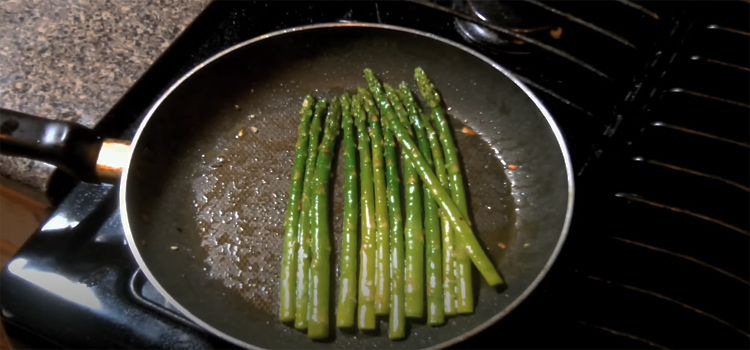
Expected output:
(71, 147)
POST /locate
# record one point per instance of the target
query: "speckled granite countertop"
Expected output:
(74, 59)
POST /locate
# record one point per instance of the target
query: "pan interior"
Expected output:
(209, 180)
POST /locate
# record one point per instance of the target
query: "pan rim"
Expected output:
(551, 122)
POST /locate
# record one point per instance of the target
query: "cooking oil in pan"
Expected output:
(240, 199)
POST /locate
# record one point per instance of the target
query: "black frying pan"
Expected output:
(204, 193)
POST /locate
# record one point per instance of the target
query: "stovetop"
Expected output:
(653, 101)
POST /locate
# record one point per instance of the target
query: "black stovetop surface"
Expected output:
(653, 100)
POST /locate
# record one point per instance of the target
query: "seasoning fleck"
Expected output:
(254, 129)
(501, 245)
(237, 107)
(525, 245)
(556, 33)
(468, 131)
(174, 247)
(252, 116)
(512, 166)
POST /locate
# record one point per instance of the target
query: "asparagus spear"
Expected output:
(449, 276)
(397, 320)
(448, 272)
(366, 295)
(303, 236)
(348, 281)
(433, 254)
(465, 297)
(442, 197)
(320, 266)
(288, 273)
(382, 257)
(413, 231)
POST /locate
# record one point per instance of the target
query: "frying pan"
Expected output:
(204, 183)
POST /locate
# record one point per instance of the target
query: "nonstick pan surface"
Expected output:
(203, 199)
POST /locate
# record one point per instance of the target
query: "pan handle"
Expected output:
(71, 147)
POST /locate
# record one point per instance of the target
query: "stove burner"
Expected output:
(514, 15)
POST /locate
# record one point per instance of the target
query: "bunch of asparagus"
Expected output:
(398, 273)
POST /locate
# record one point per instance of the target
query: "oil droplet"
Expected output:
(218, 162)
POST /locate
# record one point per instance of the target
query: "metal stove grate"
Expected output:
(586, 60)
(681, 199)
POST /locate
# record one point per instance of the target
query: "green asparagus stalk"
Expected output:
(397, 319)
(433, 253)
(413, 230)
(382, 244)
(443, 198)
(465, 297)
(347, 304)
(449, 275)
(320, 265)
(366, 294)
(303, 236)
(288, 287)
